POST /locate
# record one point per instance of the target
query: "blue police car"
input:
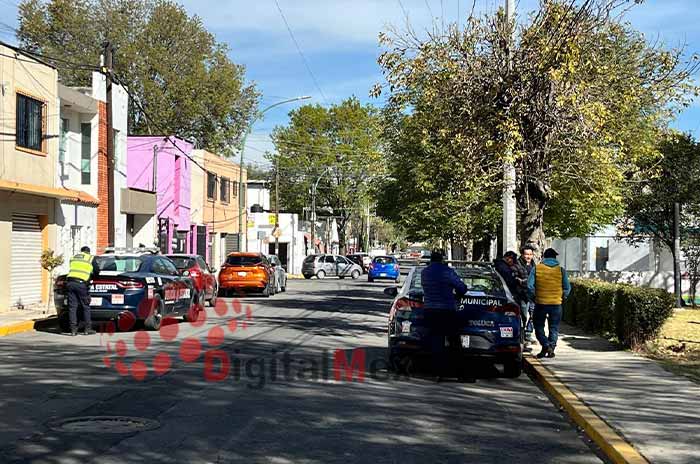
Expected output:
(487, 321)
(383, 267)
(133, 287)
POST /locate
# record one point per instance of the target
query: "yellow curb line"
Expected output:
(17, 327)
(613, 444)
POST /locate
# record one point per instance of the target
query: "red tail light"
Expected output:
(396, 267)
(406, 303)
(510, 309)
(194, 273)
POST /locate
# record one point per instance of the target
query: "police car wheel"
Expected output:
(152, 322)
(355, 274)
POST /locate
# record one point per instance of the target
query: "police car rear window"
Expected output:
(475, 283)
(119, 263)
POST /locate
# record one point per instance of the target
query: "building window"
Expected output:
(29, 132)
(225, 190)
(211, 186)
(85, 135)
(235, 188)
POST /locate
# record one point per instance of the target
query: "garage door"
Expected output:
(25, 279)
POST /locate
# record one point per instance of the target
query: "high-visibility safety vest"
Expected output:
(548, 284)
(81, 266)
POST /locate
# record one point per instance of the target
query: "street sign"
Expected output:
(271, 219)
(251, 223)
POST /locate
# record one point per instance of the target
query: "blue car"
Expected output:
(383, 267)
(487, 322)
(133, 287)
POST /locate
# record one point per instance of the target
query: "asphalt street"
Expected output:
(257, 382)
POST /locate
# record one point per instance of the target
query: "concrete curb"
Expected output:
(17, 327)
(615, 447)
(295, 277)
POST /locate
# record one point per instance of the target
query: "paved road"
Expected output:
(275, 404)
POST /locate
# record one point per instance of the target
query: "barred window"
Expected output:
(29, 132)
(225, 194)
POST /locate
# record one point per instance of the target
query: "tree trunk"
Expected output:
(534, 198)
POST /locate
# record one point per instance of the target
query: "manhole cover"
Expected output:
(104, 424)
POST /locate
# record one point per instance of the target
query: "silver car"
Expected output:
(323, 266)
(279, 272)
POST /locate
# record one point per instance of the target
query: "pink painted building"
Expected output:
(163, 164)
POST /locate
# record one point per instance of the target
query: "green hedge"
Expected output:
(632, 315)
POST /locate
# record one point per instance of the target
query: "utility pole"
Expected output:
(277, 207)
(367, 230)
(108, 69)
(509, 239)
(677, 252)
(313, 218)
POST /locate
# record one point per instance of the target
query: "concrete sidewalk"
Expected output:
(655, 410)
(23, 320)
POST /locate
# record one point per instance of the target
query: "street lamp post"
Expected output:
(241, 190)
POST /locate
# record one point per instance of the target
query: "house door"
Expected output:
(283, 254)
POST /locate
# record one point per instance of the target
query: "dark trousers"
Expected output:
(78, 297)
(551, 314)
(444, 330)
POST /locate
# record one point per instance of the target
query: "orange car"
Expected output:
(245, 272)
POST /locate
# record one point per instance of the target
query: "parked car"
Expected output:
(384, 267)
(148, 286)
(245, 272)
(361, 258)
(488, 321)
(280, 274)
(323, 266)
(194, 267)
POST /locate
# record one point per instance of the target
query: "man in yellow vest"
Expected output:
(549, 286)
(82, 269)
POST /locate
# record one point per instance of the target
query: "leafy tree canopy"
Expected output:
(575, 98)
(338, 147)
(179, 74)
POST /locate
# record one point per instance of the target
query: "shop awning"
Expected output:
(49, 192)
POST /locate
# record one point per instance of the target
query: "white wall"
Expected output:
(68, 245)
(289, 225)
(258, 195)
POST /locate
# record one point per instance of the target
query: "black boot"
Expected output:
(73, 332)
(543, 353)
(88, 331)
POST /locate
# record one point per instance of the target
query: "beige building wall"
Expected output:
(221, 217)
(35, 170)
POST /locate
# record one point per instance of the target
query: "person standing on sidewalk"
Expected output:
(82, 269)
(549, 286)
(527, 262)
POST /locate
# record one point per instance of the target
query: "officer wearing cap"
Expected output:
(82, 269)
(549, 286)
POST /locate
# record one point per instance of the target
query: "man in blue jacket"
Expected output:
(549, 286)
(440, 282)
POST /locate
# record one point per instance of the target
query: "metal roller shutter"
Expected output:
(25, 279)
(232, 244)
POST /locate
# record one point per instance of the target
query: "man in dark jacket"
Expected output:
(440, 282)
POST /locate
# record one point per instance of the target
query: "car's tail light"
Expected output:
(129, 284)
(396, 267)
(407, 304)
(194, 273)
(509, 309)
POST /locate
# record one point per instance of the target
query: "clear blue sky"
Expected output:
(339, 41)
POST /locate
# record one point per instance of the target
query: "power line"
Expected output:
(303, 58)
